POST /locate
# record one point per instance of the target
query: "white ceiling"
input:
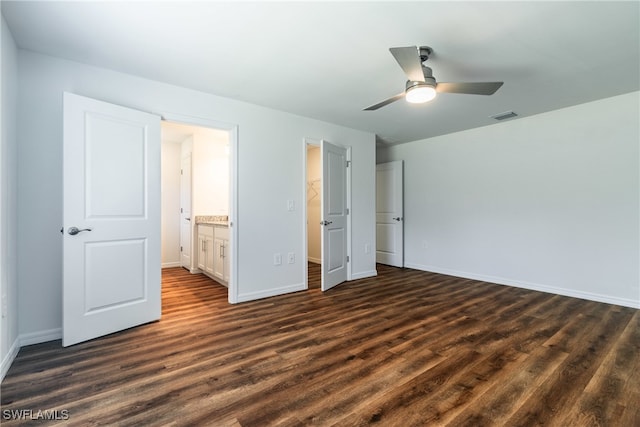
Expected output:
(329, 60)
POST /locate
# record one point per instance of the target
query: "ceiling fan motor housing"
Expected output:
(428, 81)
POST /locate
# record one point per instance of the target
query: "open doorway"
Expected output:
(314, 215)
(197, 200)
(327, 212)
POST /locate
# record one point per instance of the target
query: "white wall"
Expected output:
(170, 216)
(548, 202)
(210, 176)
(220, 177)
(314, 196)
(9, 344)
(267, 140)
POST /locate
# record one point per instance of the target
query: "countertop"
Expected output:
(220, 220)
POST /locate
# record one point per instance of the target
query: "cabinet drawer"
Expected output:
(206, 230)
(222, 233)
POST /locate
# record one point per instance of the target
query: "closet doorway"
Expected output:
(314, 215)
(327, 241)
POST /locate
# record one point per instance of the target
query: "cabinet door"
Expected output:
(218, 258)
(202, 251)
(210, 254)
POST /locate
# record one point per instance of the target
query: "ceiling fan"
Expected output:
(422, 86)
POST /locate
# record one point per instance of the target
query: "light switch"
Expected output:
(291, 205)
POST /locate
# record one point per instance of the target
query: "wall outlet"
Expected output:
(367, 248)
(291, 257)
(277, 259)
(424, 244)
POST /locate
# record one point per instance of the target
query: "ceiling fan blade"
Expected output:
(385, 102)
(479, 88)
(409, 60)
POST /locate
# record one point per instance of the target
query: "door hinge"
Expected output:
(181, 172)
(348, 163)
(181, 211)
(347, 258)
(180, 248)
(347, 211)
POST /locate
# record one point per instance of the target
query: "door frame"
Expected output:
(305, 249)
(182, 194)
(233, 188)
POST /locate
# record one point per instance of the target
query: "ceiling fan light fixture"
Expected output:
(420, 93)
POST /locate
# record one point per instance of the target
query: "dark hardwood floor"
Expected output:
(406, 348)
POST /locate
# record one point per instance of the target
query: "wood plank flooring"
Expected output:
(406, 348)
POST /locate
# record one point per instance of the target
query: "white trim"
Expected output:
(314, 260)
(40, 337)
(171, 264)
(531, 286)
(9, 358)
(24, 340)
(232, 285)
(349, 215)
(364, 274)
(252, 296)
(303, 212)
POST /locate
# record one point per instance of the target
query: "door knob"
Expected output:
(326, 222)
(75, 230)
(398, 218)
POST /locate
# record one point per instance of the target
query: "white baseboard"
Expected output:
(364, 274)
(251, 296)
(27, 339)
(171, 264)
(9, 358)
(531, 286)
(314, 260)
(40, 336)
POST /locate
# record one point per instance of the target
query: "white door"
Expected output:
(185, 213)
(334, 215)
(389, 214)
(111, 264)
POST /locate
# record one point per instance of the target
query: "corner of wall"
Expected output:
(8, 358)
(9, 340)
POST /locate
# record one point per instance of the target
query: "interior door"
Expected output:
(111, 233)
(186, 231)
(389, 214)
(334, 215)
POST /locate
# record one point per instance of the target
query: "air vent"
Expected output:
(504, 116)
